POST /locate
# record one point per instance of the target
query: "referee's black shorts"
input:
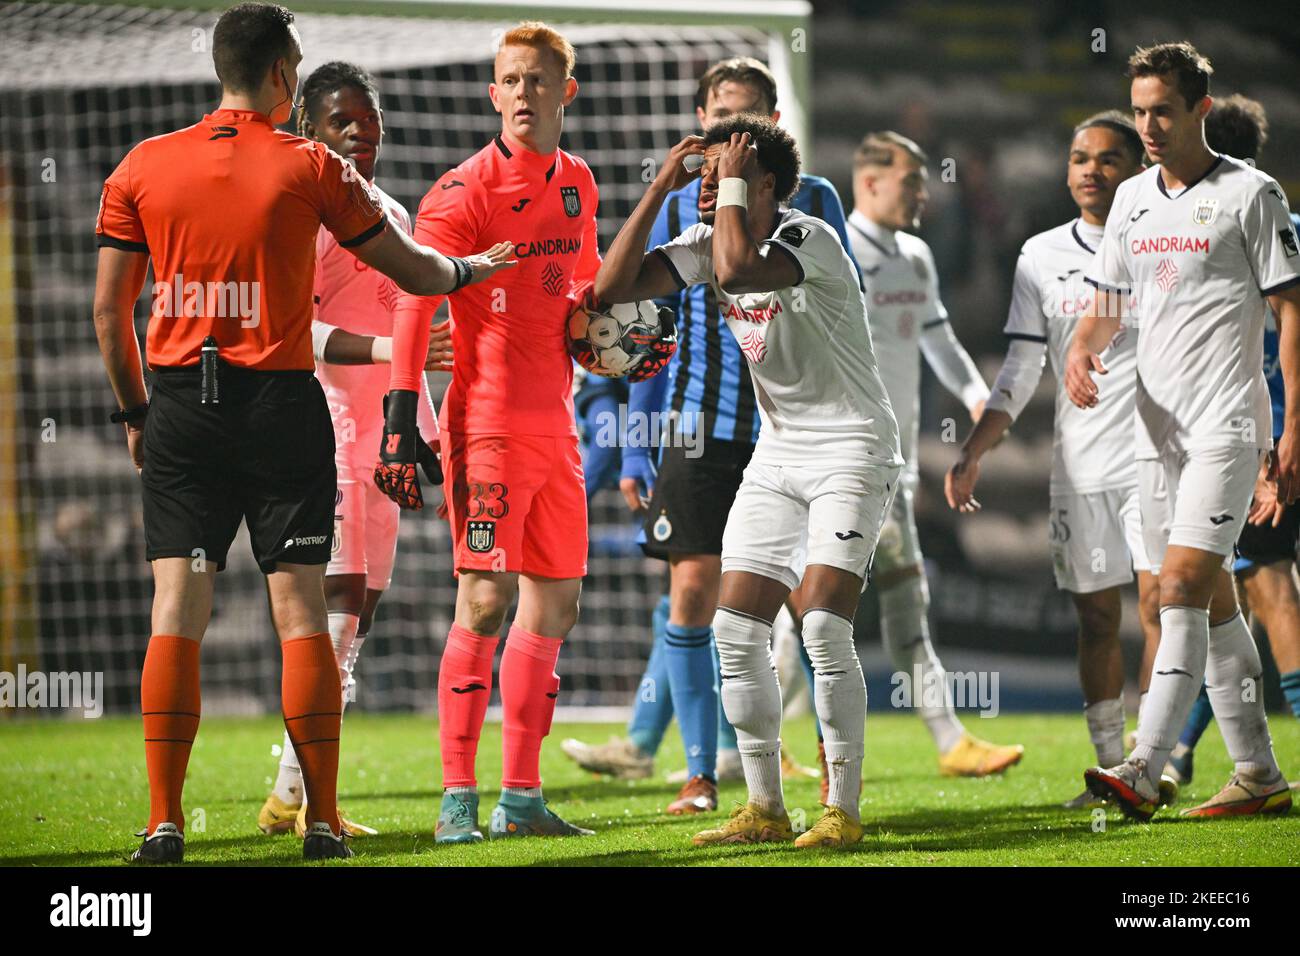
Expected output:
(264, 454)
(1262, 545)
(692, 497)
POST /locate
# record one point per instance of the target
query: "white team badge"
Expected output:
(1204, 212)
(663, 528)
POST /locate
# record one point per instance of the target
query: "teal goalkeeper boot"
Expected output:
(517, 816)
(458, 820)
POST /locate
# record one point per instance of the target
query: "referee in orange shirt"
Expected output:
(238, 428)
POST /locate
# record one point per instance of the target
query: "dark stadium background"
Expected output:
(993, 86)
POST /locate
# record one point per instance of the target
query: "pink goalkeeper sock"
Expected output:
(529, 688)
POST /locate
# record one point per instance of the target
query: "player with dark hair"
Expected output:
(1096, 531)
(1266, 551)
(516, 499)
(682, 490)
(238, 429)
(351, 339)
(1206, 245)
(825, 465)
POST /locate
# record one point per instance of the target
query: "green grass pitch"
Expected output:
(73, 793)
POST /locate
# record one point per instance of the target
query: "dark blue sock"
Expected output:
(1291, 690)
(726, 732)
(811, 676)
(653, 710)
(1197, 720)
(690, 673)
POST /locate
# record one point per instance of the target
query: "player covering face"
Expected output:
(791, 297)
(1206, 244)
(515, 500)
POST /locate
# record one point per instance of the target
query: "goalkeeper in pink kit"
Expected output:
(514, 485)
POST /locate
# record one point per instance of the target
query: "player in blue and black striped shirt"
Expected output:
(684, 485)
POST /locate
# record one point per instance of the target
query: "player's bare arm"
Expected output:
(628, 274)
(959, 483)
(420, 270)
(348, 348)
(740, 264)
(118, 283)
(1097, 327)
(1286, 306)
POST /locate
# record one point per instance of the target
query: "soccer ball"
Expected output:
(616, 340)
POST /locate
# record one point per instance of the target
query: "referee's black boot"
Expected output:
(165, 845)
(321, 844)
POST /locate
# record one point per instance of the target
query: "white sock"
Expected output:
(1176, 680)
(751, 699)
(1106, 728)
(288, 783)
(840, 695)
(1142, 701)
(906, 635)
(347, 645)
(1233, 677)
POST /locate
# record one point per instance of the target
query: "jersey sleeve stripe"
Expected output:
(103, 239)
(1281, 286)
(933, 323)
(366, 236)
(1026, 337)
(1105, 286)
(667, 260)
(792, 257)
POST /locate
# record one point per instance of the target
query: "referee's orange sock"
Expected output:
(312, 698)
(169, 704)
(529, 688)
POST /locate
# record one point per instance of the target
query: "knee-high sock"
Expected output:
(529, 689)
(689, 654)
(905, 631)
(347, 644)
(1197, 721)
(1106, 728)
(312, 700)
(1291, 690)
(464, 687)
(751, 697)
(726, 732)
(652, 711)
(1234, 680)
(810, 675)
(169, 704)
(1176, 678)
(786, 629)
(840, 693)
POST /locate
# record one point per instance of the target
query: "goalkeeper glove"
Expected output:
(399, 450)
(662, 348)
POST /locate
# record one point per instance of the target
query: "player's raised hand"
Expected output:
(959, 485)
(439, 356)
(1080, 363)
(1264, 505)
(491, 261)
(738, 157)
(675, 172)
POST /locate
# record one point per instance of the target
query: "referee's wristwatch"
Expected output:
(130, 415)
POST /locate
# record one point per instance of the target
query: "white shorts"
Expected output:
(1196, 499)
(786, 516)
(898, 547)
(365, 519)
(1096, 539)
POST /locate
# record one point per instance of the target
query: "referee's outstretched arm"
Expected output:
(420, 270)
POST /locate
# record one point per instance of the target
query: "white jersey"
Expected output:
(1201, 262)
(907, 317)
(350, 295)
(808, 346)
(1092, 449)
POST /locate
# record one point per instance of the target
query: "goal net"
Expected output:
(79, 86)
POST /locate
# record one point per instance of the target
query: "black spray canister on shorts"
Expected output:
(209, 389)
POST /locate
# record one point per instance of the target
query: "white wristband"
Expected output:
(381, 350)
(733, 191)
